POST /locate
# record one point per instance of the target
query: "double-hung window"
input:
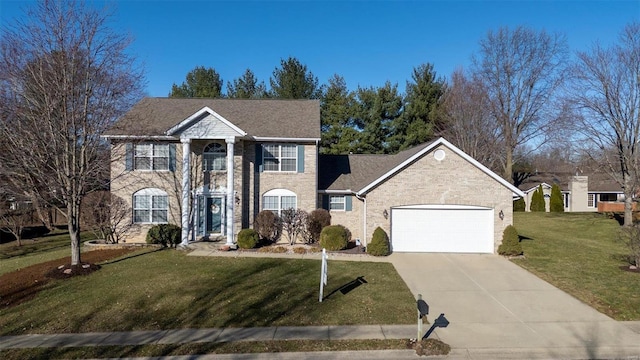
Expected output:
(151, 157)
(280, 157)
(214, 157)
(337, 202)
(150, 206)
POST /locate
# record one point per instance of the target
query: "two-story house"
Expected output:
(211, 165)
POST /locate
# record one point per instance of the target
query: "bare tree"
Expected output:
(520, 70)
(106, 215)
(65, 77)
(467, 121)
(293, 223)
(14, 220)
(606, 93)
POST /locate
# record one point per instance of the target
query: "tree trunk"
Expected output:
(508, 165)
(74, 232)
(628, 207)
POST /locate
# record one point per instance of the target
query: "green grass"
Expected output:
(168, 290)
(50, 247)
(582, 255)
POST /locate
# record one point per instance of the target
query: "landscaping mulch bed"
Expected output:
(21, 285)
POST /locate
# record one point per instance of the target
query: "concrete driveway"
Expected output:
(497, 309)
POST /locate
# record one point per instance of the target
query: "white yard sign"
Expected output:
(323, 273)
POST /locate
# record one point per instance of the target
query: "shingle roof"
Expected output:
(598, 182)
(354, 172)
(262, 118)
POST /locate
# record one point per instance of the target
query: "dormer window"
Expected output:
(214, 157)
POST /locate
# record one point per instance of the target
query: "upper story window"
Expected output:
(280, 157)
(151, 157)
(150, 206)
(214, 157)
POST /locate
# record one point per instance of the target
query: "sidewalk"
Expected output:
(181, 336)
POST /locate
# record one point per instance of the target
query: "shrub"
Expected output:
(510, 242)
(316, 221)
(248, 239)
(537, 200)
(556, 202)
(293, 223)
(164, 234)
(268, 226)
(334, 237)
(519, 205)
(379, 245)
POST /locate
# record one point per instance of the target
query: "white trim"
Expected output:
(279, 139)
(336, 192)
(441, 141)
(140, 137)
(442, 207)
(544, 184)
(205, 110)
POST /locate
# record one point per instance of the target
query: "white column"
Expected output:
(230, 190)
(186, 188)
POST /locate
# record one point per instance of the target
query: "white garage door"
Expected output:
(442, 228)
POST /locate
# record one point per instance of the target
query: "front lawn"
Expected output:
(581, 254)
(169, 290)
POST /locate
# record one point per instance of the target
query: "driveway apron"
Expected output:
(491, 303)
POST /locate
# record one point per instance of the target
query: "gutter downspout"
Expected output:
(364, 218)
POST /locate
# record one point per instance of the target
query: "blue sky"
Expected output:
(366, 42)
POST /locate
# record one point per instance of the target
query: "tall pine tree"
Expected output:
(200, 83)
(292, 80)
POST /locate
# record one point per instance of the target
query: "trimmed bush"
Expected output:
(556, 202)
(379, 245)
(510, 242)
(165, 235)
(334, 237)
(519, 205)
(316, 221)
(268, 226)
(248, 239)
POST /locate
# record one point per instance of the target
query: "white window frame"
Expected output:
(212, 152)
(278, 195)
(591, 200)
(151, 156)
(268, 161)
(338, 200)
(151, 194)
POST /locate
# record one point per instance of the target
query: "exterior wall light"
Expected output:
(385, 213)
(501, 215)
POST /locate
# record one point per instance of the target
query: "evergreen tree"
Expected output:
(200, 83)
(377, 109)
(537, 200)
(519, 205)
(246, 87)
(419, 120)
(339, 126)
(293, 81)
(556, 202)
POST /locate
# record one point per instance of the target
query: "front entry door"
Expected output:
(214, 215)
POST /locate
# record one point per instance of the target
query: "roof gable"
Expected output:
(206, 123)
(362, 173)
(427, 149)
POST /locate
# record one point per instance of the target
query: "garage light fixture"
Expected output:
(385, 213)
(501, 215)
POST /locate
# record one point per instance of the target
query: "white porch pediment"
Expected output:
(206, 124)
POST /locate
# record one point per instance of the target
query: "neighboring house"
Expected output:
(171, 161)
(581, 193)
